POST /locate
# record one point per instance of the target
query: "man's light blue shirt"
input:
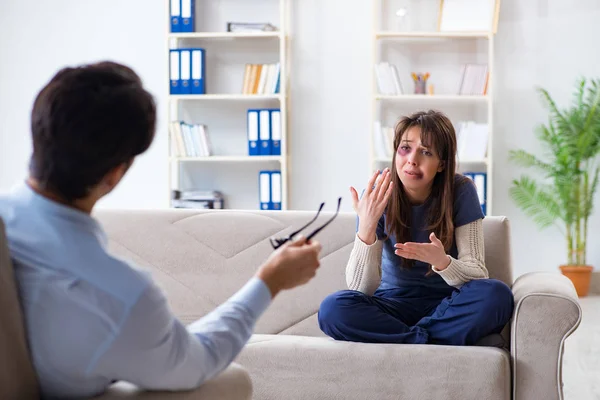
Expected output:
(91, 318)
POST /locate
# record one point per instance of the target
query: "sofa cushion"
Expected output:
(17, 377)
(302, 367)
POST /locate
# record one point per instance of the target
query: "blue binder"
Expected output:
(252, 127)
(185, 66)
(264, 190)
(175, 71)
(198, 70)
(275, 132)
(275, 190)
(264, 132)
(175, 15)
(480, 181)
(187, 15)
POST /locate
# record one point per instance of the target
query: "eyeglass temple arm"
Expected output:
(326, 223)
(291, 235)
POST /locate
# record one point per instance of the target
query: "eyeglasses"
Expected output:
(277, 242)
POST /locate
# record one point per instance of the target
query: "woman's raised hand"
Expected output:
(371, 205)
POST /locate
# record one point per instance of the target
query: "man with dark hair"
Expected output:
(90, 317)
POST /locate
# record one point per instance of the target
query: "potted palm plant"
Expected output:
(563, 192)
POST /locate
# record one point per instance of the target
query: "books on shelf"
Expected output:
(384, 141)
(189, 140)
(261, 79)
(250, 27)
(269, 190)
(187, 71)
(473, 79)
(203, 199)
(182, 15)
(388, 79)
(264, 132)
(472, 140)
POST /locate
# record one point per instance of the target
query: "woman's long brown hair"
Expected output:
(437, 133)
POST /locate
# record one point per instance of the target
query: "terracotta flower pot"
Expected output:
(580, 275)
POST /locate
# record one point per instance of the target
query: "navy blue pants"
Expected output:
(412, 315)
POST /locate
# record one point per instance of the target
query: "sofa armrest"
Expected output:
(546, 312)
(232, 384)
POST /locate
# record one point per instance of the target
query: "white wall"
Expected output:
(545, 43)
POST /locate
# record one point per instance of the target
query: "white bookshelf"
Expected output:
(223, 109)
(422, 48)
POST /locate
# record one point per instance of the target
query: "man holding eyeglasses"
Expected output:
(91, 319)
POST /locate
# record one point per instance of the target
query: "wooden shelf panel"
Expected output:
(229, 159)
(431, 35)
(226, 35)
(235, 97)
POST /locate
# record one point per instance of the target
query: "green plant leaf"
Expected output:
(537, 202)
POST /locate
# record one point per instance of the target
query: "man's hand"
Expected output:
(431, 253)
(293, 264)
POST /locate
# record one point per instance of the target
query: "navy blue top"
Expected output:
(466, 210)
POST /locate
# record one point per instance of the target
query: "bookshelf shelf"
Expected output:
(233, 76)
(226, 35)
(431, 35)
(233, 97)
(433, 98)
(229, 159)
(415, 67)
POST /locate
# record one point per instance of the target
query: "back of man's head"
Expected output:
(85, 122)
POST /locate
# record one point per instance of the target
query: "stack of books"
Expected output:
(203, 199)
(250, 27)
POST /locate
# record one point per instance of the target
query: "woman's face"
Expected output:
(416, 165)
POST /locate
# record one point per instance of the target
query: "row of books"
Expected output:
(269, 189)
(388, 79)
(480, 181)
(189, 140)
(261, 79)
(473, 79)
(187, 71)
(264, 132)
(472, 140)
(182, 15)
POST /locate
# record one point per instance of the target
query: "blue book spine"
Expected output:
(175, 71)
(175, 16)
(252, 127)
(185, 65)
(264, 190)
(198, 71)
(187, 15)
(264, 132)
(275, 131)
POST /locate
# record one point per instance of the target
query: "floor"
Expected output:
(581, 362)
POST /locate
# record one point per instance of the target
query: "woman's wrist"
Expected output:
(442, 264)
(367, 236)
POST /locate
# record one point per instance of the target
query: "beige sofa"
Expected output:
(200, 258)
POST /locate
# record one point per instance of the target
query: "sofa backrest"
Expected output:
(17, 377)
(201, 257)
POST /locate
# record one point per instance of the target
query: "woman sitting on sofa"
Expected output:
(416, 273)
